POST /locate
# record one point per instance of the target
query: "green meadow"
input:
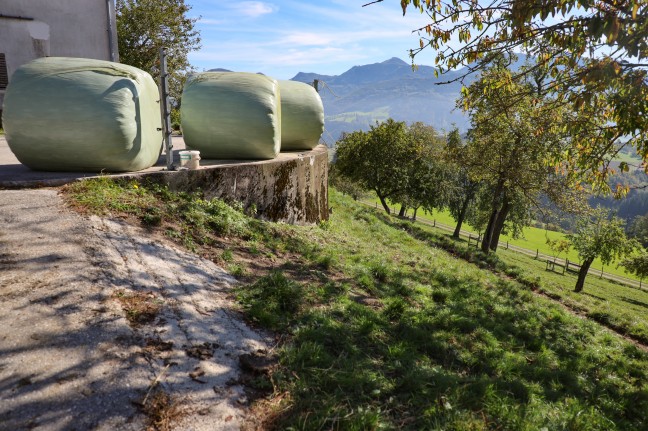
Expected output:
(383, 323)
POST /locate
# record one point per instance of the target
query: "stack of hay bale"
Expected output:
(73, 114)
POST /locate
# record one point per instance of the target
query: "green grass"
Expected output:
(618, 306)
(379, 114)
(630, 158)
(533, 239)
(391, 331)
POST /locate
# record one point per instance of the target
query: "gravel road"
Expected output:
(69, 358)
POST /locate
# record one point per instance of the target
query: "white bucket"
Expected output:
(190, 159)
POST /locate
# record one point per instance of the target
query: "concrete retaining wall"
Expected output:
(292, 188)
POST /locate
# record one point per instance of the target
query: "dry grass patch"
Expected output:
(163, 411)
(140, 307)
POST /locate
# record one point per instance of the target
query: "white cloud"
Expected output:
(253, 9)
(306, 39)
(293, 35)
(210, 21)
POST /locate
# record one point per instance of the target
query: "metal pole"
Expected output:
(110, 8)
(166, 109)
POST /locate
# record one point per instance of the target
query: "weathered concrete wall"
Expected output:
(63, 28)
(292, 188)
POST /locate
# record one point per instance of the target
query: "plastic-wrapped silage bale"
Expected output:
(302, 116)
(77, 114)
(232, 115)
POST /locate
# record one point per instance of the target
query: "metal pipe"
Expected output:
(111, 45)
(166, 109)
(24, 18)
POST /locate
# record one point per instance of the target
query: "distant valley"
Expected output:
(365, 94)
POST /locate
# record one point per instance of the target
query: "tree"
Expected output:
(602, 236)
(592, 56)
(558, 245)
(378, 160)
(462, 190)
(427, 178)
(145, 26)
(639, 229)
(637, 264)
(509, 143)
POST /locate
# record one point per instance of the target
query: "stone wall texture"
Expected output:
(292, 188)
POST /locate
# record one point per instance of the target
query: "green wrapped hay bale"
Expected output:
(76, 114)
(232, 115)
(302, 116)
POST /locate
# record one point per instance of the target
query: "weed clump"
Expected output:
(274, 300)
(163, 411)
(140, 307)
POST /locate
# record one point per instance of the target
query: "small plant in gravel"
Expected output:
(140, 307)
(163, 411)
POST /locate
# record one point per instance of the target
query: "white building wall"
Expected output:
(58, 28)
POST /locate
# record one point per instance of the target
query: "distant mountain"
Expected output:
(365, 94)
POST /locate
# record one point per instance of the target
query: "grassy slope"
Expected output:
(533, 239)
(394, 333)
(379, 114)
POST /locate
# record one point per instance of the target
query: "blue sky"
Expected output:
(282, 37)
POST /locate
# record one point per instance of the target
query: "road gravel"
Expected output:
(70, 359)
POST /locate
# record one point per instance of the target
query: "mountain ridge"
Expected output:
(364, 94)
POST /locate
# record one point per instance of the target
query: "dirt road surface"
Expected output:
(70, 358)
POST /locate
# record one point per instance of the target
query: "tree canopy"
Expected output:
(399, 163)
(602, 236)
(427, 185)
(637, 264)
(145, 26)
(639, 229)
(378, 160)
(591, 56)
(508, 147)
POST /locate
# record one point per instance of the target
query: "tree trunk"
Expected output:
(384, 203)
(462, 215)
(488, 233)
(457, 230)
(580, 283)
(499, 224)
(490, 228)
(402, 211)
(414, 215)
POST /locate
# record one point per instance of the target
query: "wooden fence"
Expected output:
(565, 264)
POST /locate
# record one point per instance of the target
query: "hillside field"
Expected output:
(385, 324)
(533, 238)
